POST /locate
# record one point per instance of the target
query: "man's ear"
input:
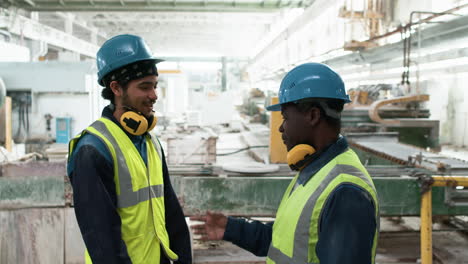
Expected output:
(116, 88)
(313, 116)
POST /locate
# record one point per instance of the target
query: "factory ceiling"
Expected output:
(172, 28)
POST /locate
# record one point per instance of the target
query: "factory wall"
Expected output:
(173, 101)
(75, 106)
(13, 52)
(46, 76)
(214, 107)
(448, 104)
(61, 89)
(459, 102)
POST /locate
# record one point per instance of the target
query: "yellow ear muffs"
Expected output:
(152, 121)
(297, 156)
(134, 123)
(137, 124)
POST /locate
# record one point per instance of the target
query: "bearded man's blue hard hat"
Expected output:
(310, 80)
(119, 51)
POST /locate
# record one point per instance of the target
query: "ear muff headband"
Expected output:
(297, 157)
(136, 123)
(152, 121)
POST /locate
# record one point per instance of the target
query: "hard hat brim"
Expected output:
(156, 61)
(275, 107)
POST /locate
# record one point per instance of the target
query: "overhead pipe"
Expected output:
(406, 36)
(42, 50)
(407, 41)
(387, 49)
(432, 35)
(435, 15)
(374, 108)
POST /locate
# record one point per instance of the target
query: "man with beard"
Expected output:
(126, 208)
(329, 214)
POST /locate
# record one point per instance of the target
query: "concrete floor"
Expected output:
(400, 242)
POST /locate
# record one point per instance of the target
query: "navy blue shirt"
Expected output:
(91, 173)
(347, 224)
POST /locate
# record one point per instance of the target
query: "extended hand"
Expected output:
(213, 227)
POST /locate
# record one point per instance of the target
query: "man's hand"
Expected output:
(213, 227)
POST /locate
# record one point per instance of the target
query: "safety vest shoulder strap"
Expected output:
(156, 144)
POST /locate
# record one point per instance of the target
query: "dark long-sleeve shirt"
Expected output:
(91, 174)
(347, 224)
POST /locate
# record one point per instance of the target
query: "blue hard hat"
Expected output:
(310, 80)
(119, 51)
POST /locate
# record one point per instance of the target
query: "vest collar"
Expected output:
(330, 152)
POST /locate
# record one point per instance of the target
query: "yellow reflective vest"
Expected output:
(296, 230)
(140, 192)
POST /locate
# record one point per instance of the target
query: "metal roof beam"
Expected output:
(34, 30)
(434, 35)
(81, 24)
(151, 6)
(30, 2)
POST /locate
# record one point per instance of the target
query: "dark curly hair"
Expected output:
(106, 92)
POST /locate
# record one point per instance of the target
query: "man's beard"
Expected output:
(126, 101)
(128, 105)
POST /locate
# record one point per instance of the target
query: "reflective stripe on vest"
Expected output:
(301, 234)
(127, 196)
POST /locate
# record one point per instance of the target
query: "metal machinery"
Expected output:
(398, 171)
(395, 153)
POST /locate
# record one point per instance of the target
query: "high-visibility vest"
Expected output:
(140, 192)
(296, 228)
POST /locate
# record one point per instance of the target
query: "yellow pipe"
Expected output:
(426, 227)
(426, 212)
(450, 181)
(169, 71)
